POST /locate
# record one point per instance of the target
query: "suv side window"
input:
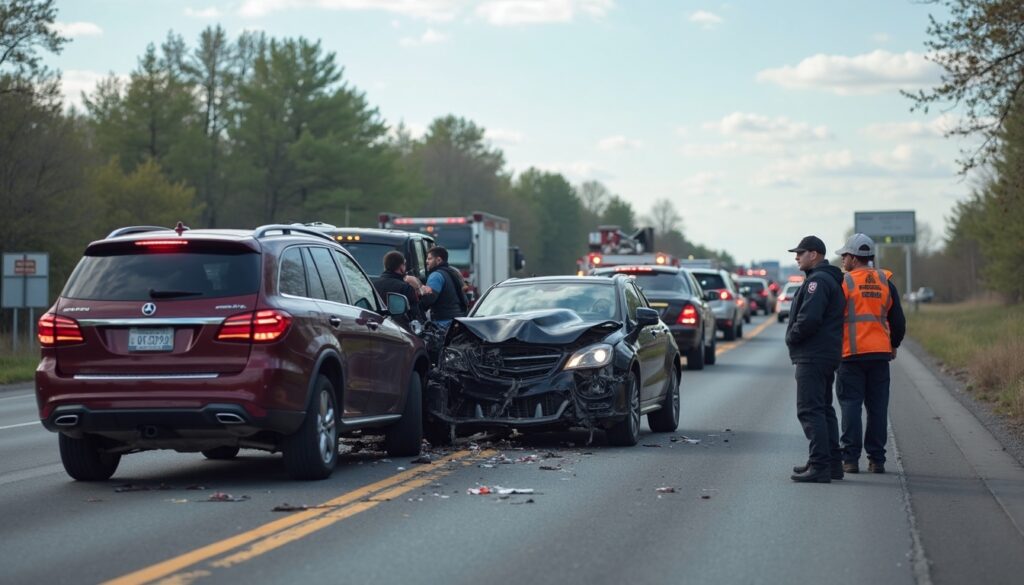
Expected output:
(632, 301)
(316, 286)
(419, 248)
(360, 289)
(291, 278)
(697, 290)
(333, 286)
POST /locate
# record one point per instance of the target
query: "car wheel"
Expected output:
(405, 438)
(739, 331)
(780, 318)
(730, 333)
(626, 432)
(438, 432)
(746, 318)
(695, 357)
(85, 460)
(225, 452)
(666, 419)
(312, 451)
(709, 352)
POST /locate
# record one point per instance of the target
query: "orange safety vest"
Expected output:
(866, 320)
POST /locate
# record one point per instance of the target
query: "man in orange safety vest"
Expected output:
(873, 327)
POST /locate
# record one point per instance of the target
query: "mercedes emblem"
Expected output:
(148, 309)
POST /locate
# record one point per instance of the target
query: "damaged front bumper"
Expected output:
(566, 399)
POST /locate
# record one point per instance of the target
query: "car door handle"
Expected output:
(372, 325)
(335, 321)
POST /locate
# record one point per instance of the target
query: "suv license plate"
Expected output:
(151, 339)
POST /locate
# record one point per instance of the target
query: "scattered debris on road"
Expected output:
(684, 439)
(422, 459)
(225, 497)
(666, 490)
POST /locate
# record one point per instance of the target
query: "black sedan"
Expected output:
(554, 353)
(683, 305)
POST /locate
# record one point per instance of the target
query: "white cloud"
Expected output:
(706, 19)
(74, 82)
(934, 128)
(517, 12)
(902, 161)
(503, 136)
(205, 14)
(429, 37)
(619, 142)
(762, 128)
(77, 29)
(876, 72)
(436, 10)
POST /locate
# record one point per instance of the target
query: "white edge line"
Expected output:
(16, 397)
(918, 559)
(19, 425)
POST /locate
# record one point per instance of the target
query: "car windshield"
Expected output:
(147, 276)
(369, 256)
(591, 301)
(458, 240)
(710, 281)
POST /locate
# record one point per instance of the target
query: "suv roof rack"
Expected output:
(285, 229)
(136, 229)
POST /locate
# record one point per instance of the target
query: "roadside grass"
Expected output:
(17, 366)
(982, 341)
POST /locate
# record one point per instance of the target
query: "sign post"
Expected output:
(26, 285)
(889, 228)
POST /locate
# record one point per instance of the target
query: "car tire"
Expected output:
(695, 357)
(746, 318)
(739, 331)
(85, 460)
(626, 432)
(730, 333)
(666, 418)
(780, 318)
(312, 451)
(438, 432)
(405, 438)
(221, 453)
(711, 350)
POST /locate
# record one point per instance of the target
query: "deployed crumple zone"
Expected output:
(509, 371)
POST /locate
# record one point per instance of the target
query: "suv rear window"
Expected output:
(710, 281)
(754, 285)
(170, 275)
(660, 281)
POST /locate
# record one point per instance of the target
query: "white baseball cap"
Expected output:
(858, 245)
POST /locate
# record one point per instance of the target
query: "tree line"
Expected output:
(234, 133)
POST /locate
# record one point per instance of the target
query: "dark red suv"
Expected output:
(215, 340)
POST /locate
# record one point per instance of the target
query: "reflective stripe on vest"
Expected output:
(866, 327)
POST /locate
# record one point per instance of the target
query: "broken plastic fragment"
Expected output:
(666, 490)
(226, 497)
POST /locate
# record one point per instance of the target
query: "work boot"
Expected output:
(813, 475)
(851, 467)
(836, 469)
(876, 467)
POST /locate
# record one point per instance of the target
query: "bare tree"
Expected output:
(594, 196)
(664, 217)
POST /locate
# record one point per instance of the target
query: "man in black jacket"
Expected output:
(393, 280)
(814, 336)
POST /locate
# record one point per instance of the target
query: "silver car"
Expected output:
(786, 300)
(729, 307)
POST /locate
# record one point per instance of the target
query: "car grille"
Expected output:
(549, 404)
(518, 362)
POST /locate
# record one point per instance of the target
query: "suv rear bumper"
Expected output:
(210, 421)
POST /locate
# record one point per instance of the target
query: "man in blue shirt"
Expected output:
(443, 294)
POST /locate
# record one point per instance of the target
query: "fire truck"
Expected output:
(610, 246)
(477, 244)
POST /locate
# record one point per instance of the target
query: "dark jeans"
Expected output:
(864, 385)
(815, 413)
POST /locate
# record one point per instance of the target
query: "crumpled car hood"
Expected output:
(552, 326)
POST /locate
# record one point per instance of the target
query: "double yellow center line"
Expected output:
(262, 539)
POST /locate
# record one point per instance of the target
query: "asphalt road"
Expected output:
(951, 509)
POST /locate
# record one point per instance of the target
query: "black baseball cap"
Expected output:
(810, 244)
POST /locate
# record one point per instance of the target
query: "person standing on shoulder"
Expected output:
(814, 336)
(443, 294)
(873, 328)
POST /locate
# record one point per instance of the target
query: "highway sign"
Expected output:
(886, 227)
(26, 280)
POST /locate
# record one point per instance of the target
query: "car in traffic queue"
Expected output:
(758, 293)
(684, 307)
(729, 307)
(786, 300)
(369, 245)
(215, 340)
(553, 353)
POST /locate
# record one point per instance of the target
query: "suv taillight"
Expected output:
(725, 295)
(54, 330)
(255, 327)
(688, 316)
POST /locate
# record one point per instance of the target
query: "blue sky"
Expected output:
(762, 121)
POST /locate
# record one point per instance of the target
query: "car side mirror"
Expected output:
(397, 304)
(646, 317)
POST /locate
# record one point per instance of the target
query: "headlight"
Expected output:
(592, 356)
(453, 359)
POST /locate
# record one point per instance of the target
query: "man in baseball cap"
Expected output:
(873, 327)
(814, 336)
